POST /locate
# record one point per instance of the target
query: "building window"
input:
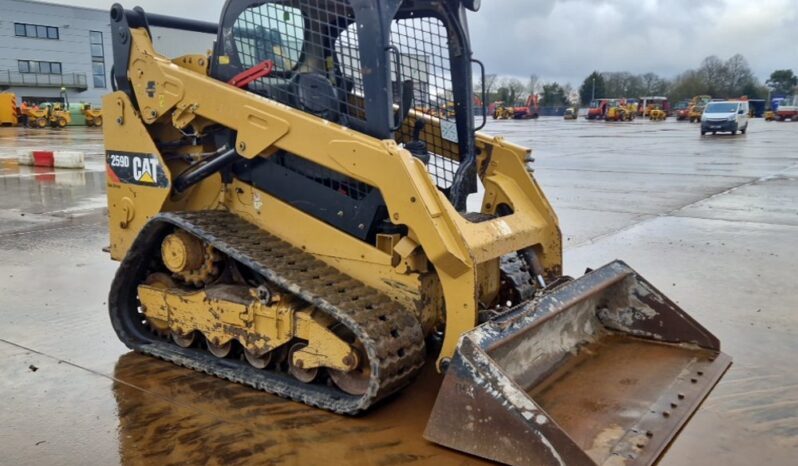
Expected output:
(97, 59)
(96, 37)
(35, 31)
(40, 67)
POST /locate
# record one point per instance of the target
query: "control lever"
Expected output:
(417, 147)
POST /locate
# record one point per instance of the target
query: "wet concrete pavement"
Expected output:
(713, 222)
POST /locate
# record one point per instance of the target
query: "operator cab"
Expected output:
(374, 69)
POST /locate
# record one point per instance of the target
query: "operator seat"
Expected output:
(315, 94)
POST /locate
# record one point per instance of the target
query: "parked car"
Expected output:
(727, 116)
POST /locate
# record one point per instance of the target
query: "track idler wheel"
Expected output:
(299, 373)
(356, 381)
(258, 361)
(184, 340)
(220, 351)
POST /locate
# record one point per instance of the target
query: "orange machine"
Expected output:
(682, 110)
(520, 111)
(597, 110)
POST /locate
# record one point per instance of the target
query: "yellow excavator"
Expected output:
(285, 219)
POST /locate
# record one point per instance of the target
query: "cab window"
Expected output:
(270, 32)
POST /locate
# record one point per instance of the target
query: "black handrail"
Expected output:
(137, 18)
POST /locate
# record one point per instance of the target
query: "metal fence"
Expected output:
(70, 80)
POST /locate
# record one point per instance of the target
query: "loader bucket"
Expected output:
(603, 370)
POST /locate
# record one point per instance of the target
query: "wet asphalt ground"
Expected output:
(712, 222)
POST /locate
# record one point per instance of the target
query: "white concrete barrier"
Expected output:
(25, 159)
(69, 159)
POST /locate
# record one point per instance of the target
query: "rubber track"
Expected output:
(515, 271)
(391, 335)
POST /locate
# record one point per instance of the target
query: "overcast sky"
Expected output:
(564, 40)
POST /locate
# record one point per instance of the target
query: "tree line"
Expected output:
(718, 78)
(511, 90)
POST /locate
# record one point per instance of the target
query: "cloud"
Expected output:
(565, 40)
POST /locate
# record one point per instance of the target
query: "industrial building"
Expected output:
(47, 49)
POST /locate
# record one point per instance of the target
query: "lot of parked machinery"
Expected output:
(658, 109)
(59, 114)
(528, 110)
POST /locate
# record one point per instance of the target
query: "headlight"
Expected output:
(732, 118)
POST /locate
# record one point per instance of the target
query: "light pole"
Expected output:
(593, 96)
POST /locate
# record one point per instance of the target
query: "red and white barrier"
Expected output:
(43, 158)
(53, 159)
(25, 159)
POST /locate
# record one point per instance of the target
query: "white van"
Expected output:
(726, 116)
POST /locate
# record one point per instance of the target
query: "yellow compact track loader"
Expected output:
(285, 219)
(657, 114)
(37, 117)
(94, 116)
(59, 115)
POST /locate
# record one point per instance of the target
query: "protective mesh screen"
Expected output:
(299, 39)
(321, 37)
(270, 32)
(347, 49)
(424, 50)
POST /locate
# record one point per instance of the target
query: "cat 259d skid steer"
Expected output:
(285, 219)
